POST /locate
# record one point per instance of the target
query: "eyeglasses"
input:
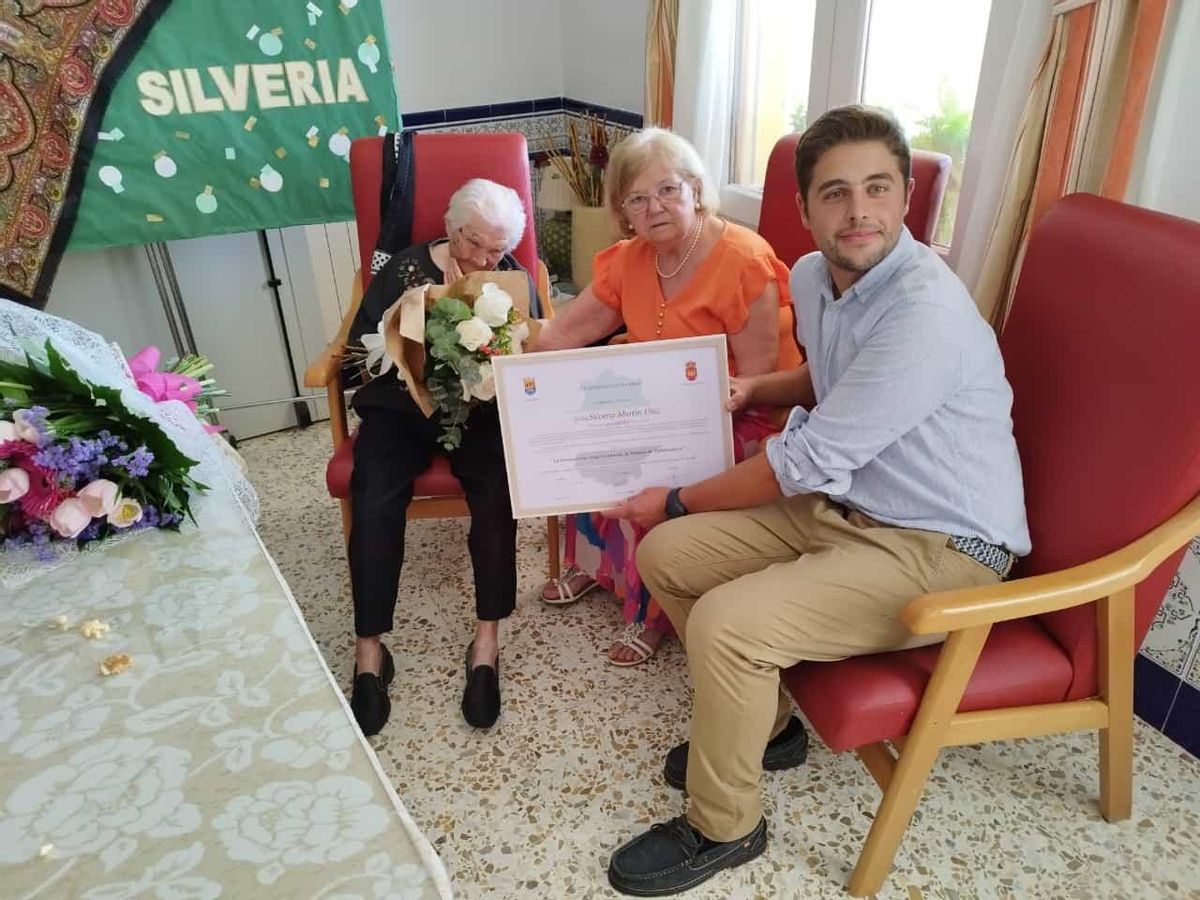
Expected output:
(666, 194)
(480, 247)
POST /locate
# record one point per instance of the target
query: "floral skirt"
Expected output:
(606, 549)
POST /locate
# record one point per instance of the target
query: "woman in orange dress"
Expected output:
(683, 272)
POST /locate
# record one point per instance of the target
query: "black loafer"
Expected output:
(786, 750)
(481, 696)
(369, 699)
(674, 857)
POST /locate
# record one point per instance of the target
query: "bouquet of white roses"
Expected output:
(442, 340)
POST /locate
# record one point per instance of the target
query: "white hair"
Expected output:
(493, 203)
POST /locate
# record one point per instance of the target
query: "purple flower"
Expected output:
(153, 517)
(76, 460)
(136, 463)
(31, 425)
(35, 535)
(91, 532)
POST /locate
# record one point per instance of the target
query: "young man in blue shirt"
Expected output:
(896, 475)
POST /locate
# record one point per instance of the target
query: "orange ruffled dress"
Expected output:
(715, 300)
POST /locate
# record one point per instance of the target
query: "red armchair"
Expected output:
(779, 221)
(1111, 458)
(442, 163)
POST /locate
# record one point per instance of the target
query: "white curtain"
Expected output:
(704, 77)
(1016, 41)
(1164, 178)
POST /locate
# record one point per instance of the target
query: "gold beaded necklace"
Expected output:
(665, 276)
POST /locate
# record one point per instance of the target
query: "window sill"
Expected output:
(742, 203)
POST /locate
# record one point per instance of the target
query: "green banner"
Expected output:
(235, 116)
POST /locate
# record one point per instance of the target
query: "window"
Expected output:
(931, 91)
(775, 54)
(918, 58)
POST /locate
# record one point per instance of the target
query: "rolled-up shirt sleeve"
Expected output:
(907, 368)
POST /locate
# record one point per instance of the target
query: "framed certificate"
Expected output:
(585, 429)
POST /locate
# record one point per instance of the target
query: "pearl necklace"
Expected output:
(695, 240)
(662, 302)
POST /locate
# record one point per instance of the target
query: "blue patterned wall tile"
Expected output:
(468, 113)
(1192, 673)
(621, 119)
(618, 117)
(543, 132)
(543, 121)
(1172, 638)
(421, 119)
(1167, 672)
(518, 108)
(546, 131)
(1183, 722)
(1154, 690)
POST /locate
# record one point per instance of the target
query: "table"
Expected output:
(222, 763)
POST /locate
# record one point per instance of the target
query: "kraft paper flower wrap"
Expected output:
(442, 337)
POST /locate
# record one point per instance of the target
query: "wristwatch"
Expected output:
(674, 506)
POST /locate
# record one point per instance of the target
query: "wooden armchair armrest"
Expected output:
(955, 610)
(324, 369)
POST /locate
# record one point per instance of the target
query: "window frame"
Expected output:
(841, 33)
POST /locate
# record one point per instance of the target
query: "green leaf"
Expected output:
(64, 374)
(454, 309)
(469, 370)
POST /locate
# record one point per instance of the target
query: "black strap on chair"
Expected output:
(395, 199)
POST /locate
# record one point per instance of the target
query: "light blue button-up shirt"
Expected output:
(913, 420)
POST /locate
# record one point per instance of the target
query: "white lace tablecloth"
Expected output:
(223, 763)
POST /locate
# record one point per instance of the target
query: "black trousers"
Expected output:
(393, 447)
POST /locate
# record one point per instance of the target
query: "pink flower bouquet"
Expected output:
(185, 380)
(76, 464)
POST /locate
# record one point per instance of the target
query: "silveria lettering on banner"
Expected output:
(217, 88)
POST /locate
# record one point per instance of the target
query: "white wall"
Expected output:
(223, 281)
(112, 292)
(604, 51)
(517, 50)
(449, 53)
(1165, 178)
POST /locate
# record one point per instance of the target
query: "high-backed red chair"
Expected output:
(779, 221)
(442, 163)
(1111, 460)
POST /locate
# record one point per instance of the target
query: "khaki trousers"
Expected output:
(751, 592)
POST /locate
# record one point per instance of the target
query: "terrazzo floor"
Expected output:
(573, 769)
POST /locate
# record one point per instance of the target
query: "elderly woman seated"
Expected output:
(395, 443)
(681, 272)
